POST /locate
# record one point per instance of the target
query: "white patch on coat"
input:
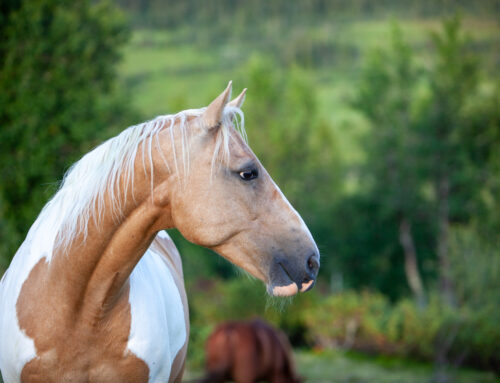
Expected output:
(158, 328)
(16, 348)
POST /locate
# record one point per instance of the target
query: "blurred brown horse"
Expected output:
(249, 352)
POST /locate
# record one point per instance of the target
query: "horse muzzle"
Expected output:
(288, 275)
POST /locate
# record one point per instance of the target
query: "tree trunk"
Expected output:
(445, 283)
(411, 264)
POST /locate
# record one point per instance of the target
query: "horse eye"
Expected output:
(248, 175)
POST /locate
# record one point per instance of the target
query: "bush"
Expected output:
(413, 331)
(348, 320)
(369, 322)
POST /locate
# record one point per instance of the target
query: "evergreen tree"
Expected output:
(457, 160)
(57, 76)
(386, 96)
(432, 151)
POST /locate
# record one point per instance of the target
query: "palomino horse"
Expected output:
(95, 293)
(249, 352)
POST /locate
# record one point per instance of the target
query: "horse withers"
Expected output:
(95, 293)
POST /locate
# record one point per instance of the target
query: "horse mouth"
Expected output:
(283, 284)
(286, 286)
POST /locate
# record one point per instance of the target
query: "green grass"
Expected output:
(372, 33)
(342, 367)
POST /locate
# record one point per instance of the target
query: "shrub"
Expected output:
(364, 321)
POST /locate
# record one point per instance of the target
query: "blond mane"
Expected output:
(98, 174)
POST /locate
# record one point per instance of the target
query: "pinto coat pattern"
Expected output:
(96, 293)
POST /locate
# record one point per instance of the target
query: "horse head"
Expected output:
(228, 202)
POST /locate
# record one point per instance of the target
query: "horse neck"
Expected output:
(93, 269)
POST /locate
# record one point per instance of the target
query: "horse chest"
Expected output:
(159, 327)
(138, 341)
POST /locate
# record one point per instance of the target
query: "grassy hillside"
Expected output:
(168, 70)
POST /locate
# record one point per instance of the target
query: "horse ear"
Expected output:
(212, 116)
(238, 101)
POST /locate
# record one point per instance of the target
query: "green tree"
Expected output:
(459, 162)
(57, 75)
(386, 96)
(432, 152)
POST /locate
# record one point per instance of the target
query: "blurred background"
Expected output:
(380, 121)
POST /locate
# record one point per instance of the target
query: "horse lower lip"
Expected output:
(285, 291)
(307, 286)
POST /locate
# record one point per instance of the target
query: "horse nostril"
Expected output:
(312, 263)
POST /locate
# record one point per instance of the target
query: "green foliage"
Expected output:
(232, 13)
(57, 75)
(369, 322)
(363, 242)
(415, 331)
(392, 180)
(347, 318)
(475, 271)
(475, 267)
(479, 143)
(425, 162)
(441, 121)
